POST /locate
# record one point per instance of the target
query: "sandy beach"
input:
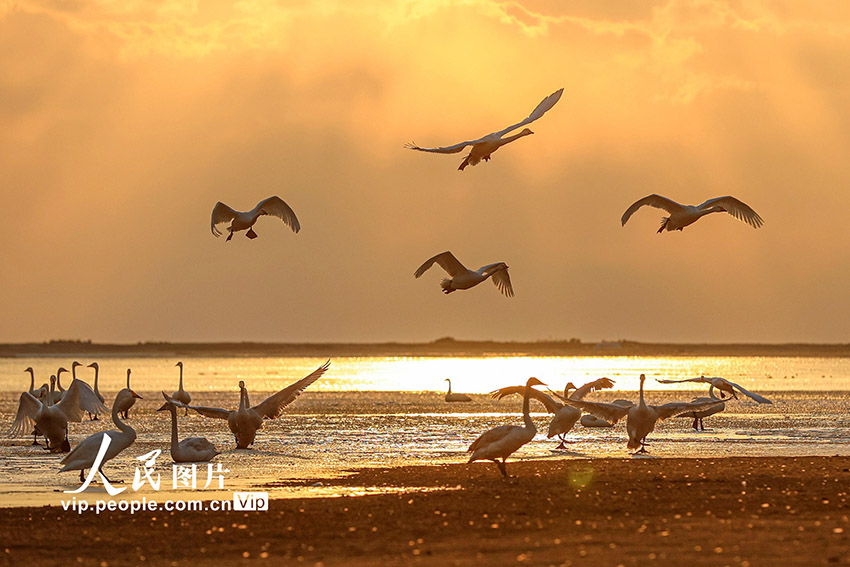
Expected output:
(629, 511)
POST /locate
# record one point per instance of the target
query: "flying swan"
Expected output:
(564, 415)
(464, 278)
(247, 420)
(482, 148)
(684, 215)
(274, 206)
(722, 384)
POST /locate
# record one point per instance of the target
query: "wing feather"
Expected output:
(551, 405)
(675, 408)
(598, 384)
(24, 421)
(272, 406)
(541, 109)
(503, 281)
(653, 200)
(89, 402)
(611, 413)
(215, 413)
(446, 260)
(70, 403)
(221, 213)
(276, 207)
(734, 207)
(441, 150)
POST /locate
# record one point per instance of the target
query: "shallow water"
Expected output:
(326, 433)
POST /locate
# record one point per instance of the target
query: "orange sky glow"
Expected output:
(125, 122)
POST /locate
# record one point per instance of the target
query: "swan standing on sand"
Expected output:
(182, 395)
(483, 147)
(191, 449)
(246, 421)
(84, 454)
(450, 397)
(51, 419)
(640, 419)
(464, 278)
(684, 215)
(126, 401)
(274, 206)
(564, 415)
(723, 385)
(504, 440)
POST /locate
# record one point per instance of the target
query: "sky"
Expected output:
(123, 123)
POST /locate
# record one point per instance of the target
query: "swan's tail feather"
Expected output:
(664, 221)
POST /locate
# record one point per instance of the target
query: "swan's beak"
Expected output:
(92, 365)
(135, 395)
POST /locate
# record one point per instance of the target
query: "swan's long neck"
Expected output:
(243, 398)
(526, 409)
(126, 429)
(128, 378)
(174, 441)
(181, 378)
(96, 373)
(510, 139)
(32, 379)
(59, 381)
(642, 402)
(450, 385)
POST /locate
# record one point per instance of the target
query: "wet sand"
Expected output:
(633, 511)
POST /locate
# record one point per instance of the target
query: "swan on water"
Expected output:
(191, 449)
(483, 147)
(452, 397)
(180, 394)
(464, 278)
(684, 215)
(126, 401)
(504, 440)
(245, 421)
(274, 206)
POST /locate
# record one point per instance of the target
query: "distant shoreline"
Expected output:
(440, 347)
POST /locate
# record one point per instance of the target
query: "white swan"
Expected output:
(463, 278)
(89, 402)
(191, 449)
(51, 419)
(126, 401)
(452, 397)
(245, 421)
(274, 206)
(32, 389)
(504, 440)
(564, 415)
(684, 215)
(84, 454)
(640, 418)
(723, 385)
(180, 394)
(483, 147)
(25, 414)
(97, 393)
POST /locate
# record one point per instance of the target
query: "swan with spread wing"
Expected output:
(684, 215)
(464, 278)
(239, 220)
(722, 384)
(483, 147)
(245, 421)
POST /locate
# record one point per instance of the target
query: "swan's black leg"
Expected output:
(695, 423)
(82, 475)
(502, 468)
(107, 478)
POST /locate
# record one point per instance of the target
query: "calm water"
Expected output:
(389, 411)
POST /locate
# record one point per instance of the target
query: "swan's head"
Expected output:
(29, 369)
(533, 382)
(75, 364)
(128, 372)
(526, 132)
(568, 387)
(94, 365)
(180, 364)
(642, 378)
(52, 380)
(241, 384)
(61, 370)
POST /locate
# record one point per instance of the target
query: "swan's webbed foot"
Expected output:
(641, 451)
(251, 234)
(229, 236)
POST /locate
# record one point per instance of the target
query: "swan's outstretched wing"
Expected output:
(700, 379)
(215, 413)
(752, 395)
(28, 406)
(503, 282)
(276, 207)
(272, 406)
(611, 413)
(551, 405)
(653, 200)
(70, 404)
(597, 384)
(89, 402)
(676, 408)
(221, 213)
(447, 261)
(539, 111)
(734, 207)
